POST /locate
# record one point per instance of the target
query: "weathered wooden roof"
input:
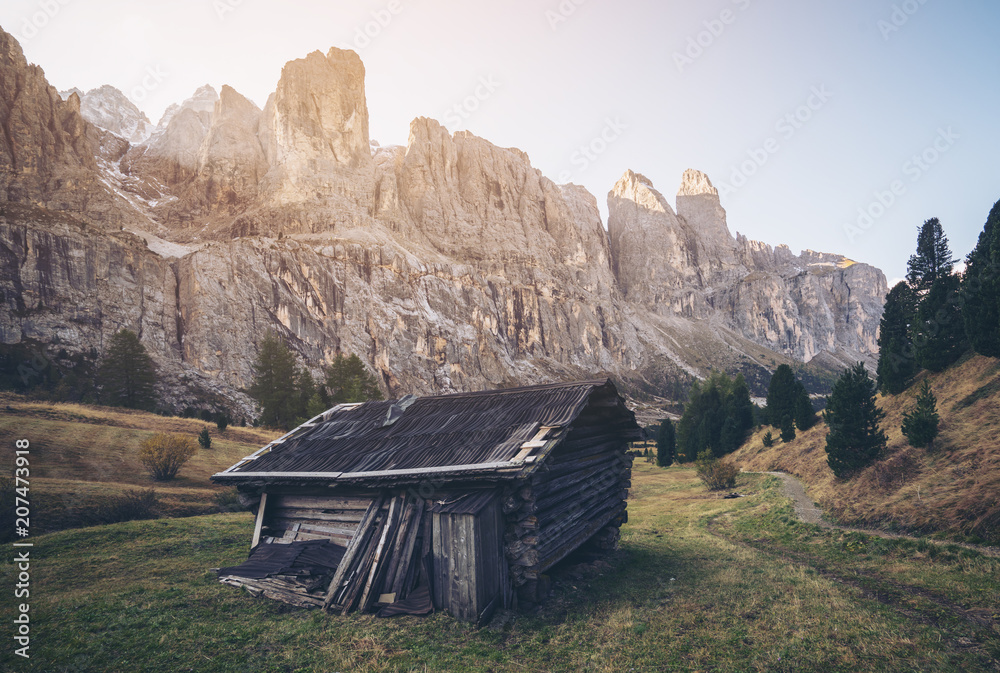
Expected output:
(493, 432)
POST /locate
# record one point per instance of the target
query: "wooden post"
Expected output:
(260, 520)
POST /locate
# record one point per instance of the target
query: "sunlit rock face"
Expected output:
(448, 264)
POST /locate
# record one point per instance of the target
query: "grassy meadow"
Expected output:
(700, 583)
(84, 458)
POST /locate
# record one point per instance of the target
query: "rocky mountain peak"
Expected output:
(108, 108)
(696, 183)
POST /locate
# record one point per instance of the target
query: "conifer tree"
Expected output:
(939, 331)
(981, 289)
(920, 424)
(805, 414)
(274, 384)
(348, 381)
(855, 439)
(896, 355)
(781, 395)
(666, 443)
(787, 429)
(127, 374)
(932, 260)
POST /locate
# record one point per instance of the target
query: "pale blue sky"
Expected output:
(617, 76)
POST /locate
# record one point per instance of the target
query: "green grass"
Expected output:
(678, 595)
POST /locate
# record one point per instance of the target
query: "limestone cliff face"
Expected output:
(448, 264)
(690, 265)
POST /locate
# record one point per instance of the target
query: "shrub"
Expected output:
(716, 474)
(222, 421)
(163, 455)
(128, 506)
(204, 439)
(768, 439)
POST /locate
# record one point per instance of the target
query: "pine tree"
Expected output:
(981, 289)
(127, 375)
(205, 439)
(781, 395)
(939, 331)
(920, 424)
(348, 381)
(768, 439)
(274, 383)
(855, 439)
(787, 429)
(897, 361)
(932, 260)
(666, 443)
(805, 414)
(742, 407)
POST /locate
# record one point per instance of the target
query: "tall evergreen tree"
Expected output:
(274, 387)
(127, 374)
(666, 443)
(855, 438)
(717, 416)
(787, 429)
(781, 395)
(981, 289)
(897, 361)
(920, 424)
(348, 381)
(933, 258)
(939, 331)
(805, 414)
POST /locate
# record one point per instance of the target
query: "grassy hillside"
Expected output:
(700, 583)
(952, 489)
(84, 457)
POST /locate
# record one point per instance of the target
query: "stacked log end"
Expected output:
(578, 497)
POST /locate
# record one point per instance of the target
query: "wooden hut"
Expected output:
(454, 502)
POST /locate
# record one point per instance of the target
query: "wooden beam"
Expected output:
(260, 520)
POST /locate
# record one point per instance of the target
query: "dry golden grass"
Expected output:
(952, 488)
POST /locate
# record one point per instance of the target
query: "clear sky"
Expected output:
(801, 111)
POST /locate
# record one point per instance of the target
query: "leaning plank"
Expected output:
(399, 582)
(260, 520)
(352, 550)
(357, 582)
(394, 509)
(400, 539)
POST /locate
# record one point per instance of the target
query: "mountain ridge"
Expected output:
(447, 264)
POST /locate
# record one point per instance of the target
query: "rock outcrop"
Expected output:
(449, 264)
(689, 264)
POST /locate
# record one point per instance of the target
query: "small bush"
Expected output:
(163, 455)
(204, 439)
(222, 421)
(716, 474)
(768, 439)
(128, 506)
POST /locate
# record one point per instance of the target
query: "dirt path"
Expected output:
(808, 512)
